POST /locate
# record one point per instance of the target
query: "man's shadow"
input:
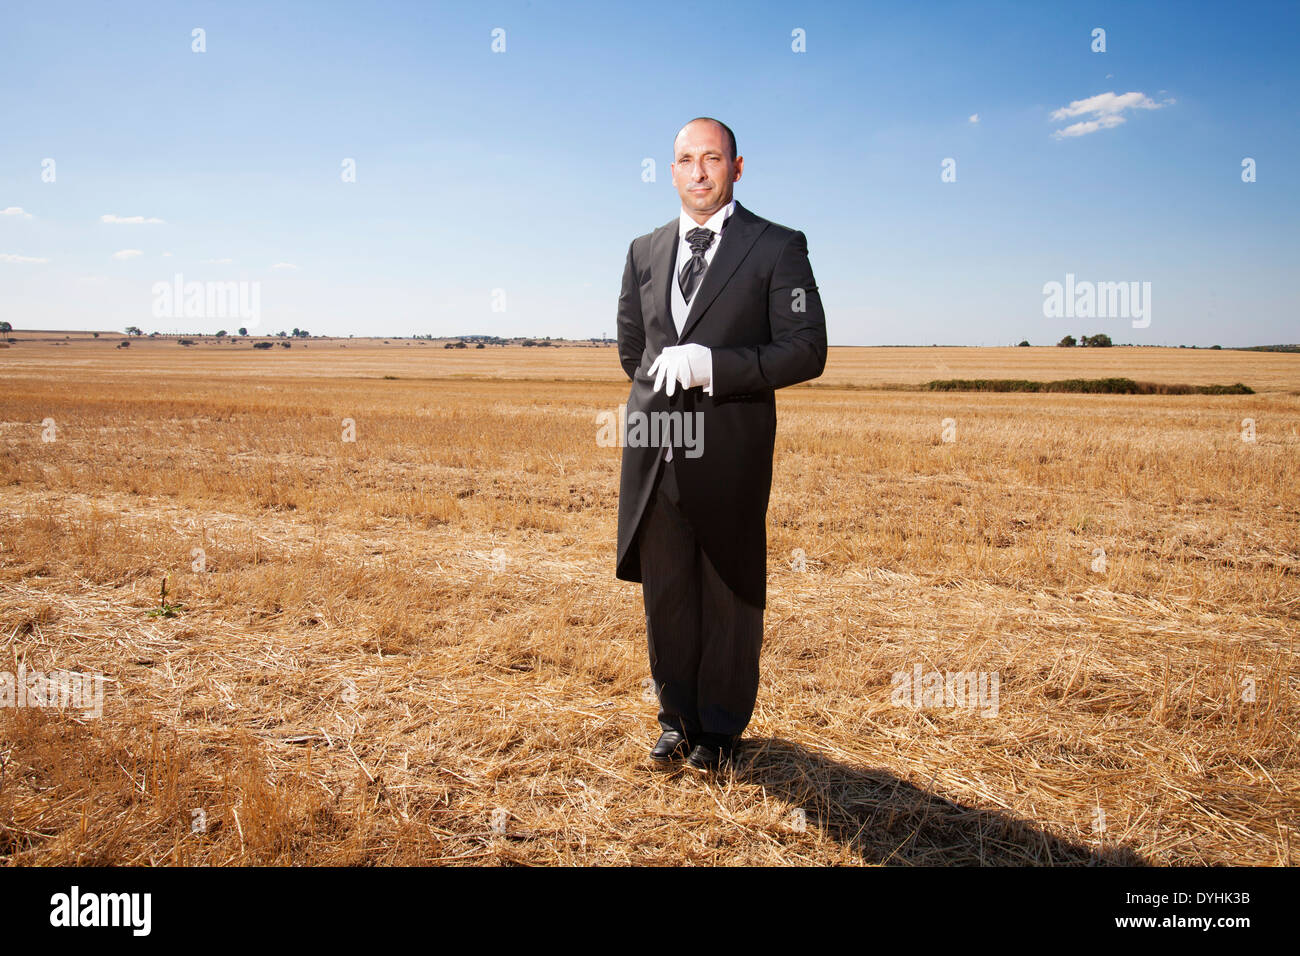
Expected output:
(887, 820)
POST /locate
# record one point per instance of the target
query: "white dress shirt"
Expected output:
(681, 306)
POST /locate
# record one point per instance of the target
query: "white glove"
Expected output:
(691, 365)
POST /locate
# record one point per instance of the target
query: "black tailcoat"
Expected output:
(759, 311)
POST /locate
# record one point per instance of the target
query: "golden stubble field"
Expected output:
(411, 647)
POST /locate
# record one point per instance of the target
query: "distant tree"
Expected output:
(6, 327)
(482, 346)
(295, 332)
(243, 331)
(262, 345)
(95, 334)
(1216, 346)
(221, 334)
(1067, 342)
(124, 344)
(133, 330)
(1024, 343)
(186, 341)
(287, 345)
(1099, 341)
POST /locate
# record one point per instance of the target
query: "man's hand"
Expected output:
(691, 365)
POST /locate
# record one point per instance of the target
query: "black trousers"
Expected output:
(704, 641)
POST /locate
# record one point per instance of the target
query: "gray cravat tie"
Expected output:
(699, 239)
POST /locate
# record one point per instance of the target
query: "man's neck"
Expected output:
(702, 217)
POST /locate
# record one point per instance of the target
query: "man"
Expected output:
(718, 309)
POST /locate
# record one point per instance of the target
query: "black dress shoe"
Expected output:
(711, 754)
(672, 745)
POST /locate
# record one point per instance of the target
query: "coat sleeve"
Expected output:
(631, 327)
(797, 351)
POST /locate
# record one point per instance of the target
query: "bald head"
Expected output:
(719, 125)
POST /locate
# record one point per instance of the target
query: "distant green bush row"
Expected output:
(1108, 386)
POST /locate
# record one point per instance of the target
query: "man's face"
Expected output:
(702, 169)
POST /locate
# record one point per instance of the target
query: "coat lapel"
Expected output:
(738, 236)
(663, 255)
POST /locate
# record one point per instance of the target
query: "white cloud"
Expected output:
(130, 220)
(1106, 111)
(167, 255)
(10, 257)
(15, 211)
(975, 118)
(127, 253)
(284, 265)
(1089, 126)
(216, 262)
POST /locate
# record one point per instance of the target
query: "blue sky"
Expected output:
(522, 170)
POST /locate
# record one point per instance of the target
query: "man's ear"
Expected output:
(740, 166)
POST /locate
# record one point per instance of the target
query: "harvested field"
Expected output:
(411, 648)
